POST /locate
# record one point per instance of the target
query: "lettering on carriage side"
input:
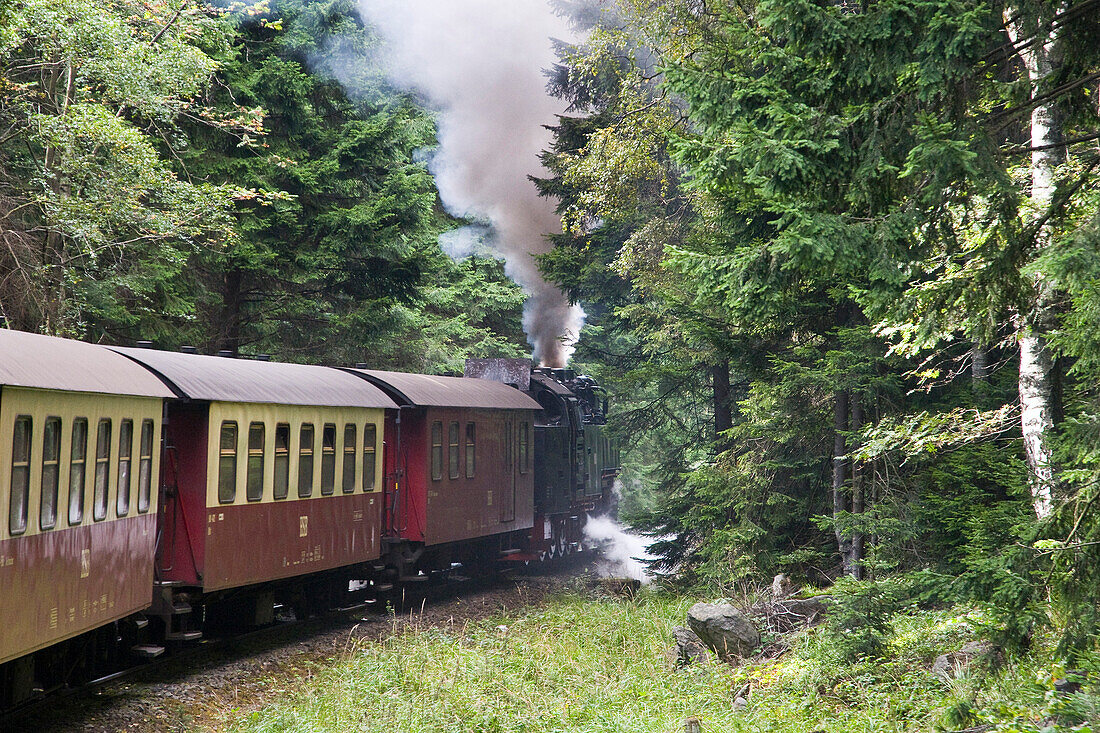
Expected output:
(310, 556)
(53, 617)
(489, 497)
(85, 562)
(72, 614)
(357, 515)
(303, 526)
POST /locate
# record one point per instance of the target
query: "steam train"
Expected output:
(149, 493)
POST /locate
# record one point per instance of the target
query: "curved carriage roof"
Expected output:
(424, 390)
(45, 362)
(221, 379)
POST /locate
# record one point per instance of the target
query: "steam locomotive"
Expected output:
(151, 493)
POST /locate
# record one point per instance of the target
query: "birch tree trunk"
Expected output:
(1036, 388)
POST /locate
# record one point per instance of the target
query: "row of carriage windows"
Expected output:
(23, 457)
(257, 457)
(469, 448)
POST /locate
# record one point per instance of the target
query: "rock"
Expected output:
(692, 725)
(724, 629)
(1071, 683)
(740, 703)
(796, 612)
(620, 586)
(689, 646)
(782, 587)
(947, 665)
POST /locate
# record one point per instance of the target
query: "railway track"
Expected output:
(163, 694)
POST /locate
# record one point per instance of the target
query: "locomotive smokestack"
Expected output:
(481, 62)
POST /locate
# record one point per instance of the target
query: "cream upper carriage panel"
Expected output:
(53, 391)
(261, 403)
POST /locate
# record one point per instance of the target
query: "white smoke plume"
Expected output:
(622, 551)
(480, 63)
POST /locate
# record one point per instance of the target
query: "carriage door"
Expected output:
(508, 501)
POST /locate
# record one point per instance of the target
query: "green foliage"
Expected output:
(98, 225)
(584, 664)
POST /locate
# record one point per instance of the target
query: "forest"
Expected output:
(840, 260)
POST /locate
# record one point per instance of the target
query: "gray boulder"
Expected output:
(724, 629)
(689, 647)
(782, 587)
(797, 612)
(946, 665)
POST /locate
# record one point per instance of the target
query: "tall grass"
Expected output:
(589, 665)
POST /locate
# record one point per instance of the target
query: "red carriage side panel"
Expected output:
(183, 541)
(254, 543)
(412, 502)
(498, 497)
(392, 476)
(62, 583)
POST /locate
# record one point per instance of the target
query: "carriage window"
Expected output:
(523, 452)
(102, 469)
(254, 480)
(328, 459)
(20, 475)
(370, 435)
(452, 450)
(437, 451)
(51, 473)
(78, 456)
(471, 451)
(305, 461)
(348, 481)
(227, 463)
(145, 467)
(282, 461)
(125, 452)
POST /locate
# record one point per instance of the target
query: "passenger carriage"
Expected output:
(273, 471)
(80, 431)
(461, 469)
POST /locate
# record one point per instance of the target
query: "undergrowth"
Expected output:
(584, 664)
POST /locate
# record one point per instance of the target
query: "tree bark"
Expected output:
(840, 479)
(230, 330)
(723, 410)
(979, 364)
(1036, 387)
(857, 494)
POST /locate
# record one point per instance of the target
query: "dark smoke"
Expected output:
(480, 62)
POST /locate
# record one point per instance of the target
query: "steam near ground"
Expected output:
(622, 551)
(480, 62)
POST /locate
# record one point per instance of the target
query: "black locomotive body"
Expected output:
(576, 462)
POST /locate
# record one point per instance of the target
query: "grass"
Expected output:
(590, 665)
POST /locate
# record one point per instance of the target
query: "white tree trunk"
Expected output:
(1036, 389)
(1036, 386)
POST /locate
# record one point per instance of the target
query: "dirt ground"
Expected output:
(206, 688)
